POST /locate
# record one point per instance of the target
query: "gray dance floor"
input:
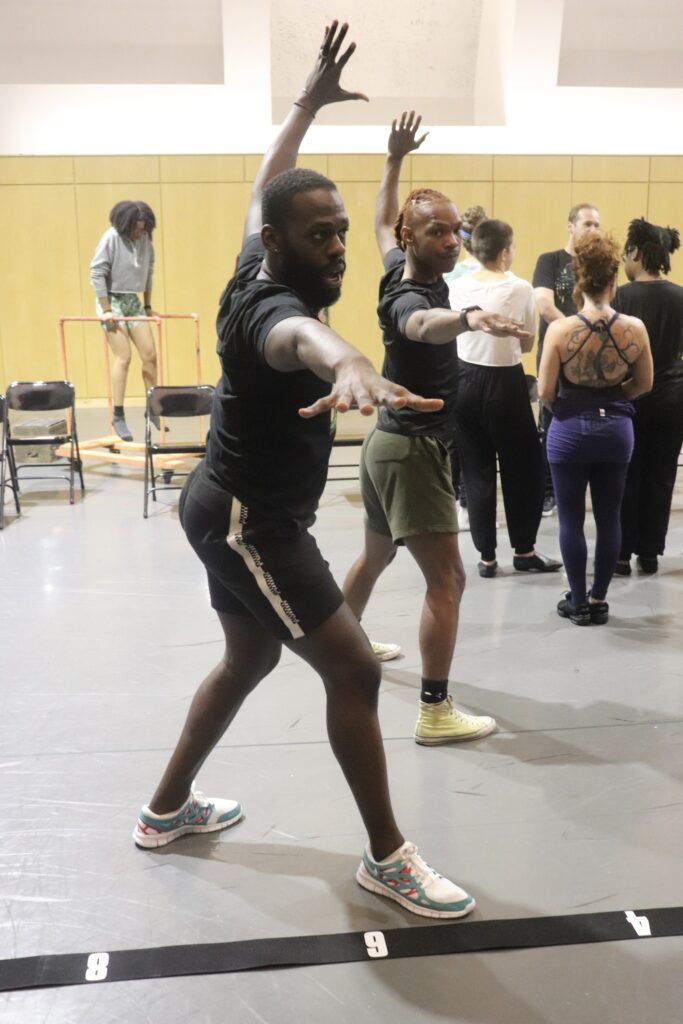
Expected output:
(574, 805)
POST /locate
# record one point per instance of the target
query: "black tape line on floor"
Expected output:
(308, 950)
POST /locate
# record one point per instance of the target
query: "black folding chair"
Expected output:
(40, 396)
(172, 402)
(7, 459)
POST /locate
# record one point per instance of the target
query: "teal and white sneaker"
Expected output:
(198, 814)
(406, 878)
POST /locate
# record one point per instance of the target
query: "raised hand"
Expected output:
(322, 85)
(498, 326)
(402, 139)
(359, 386)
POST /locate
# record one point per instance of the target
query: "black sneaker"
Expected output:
(536, 563)
(623, 567)
(579, 614)
(121, 428)
(486, 571)
(599, 612)
(648, 565)
(548, 505)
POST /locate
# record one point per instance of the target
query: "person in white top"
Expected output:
(493, 416)
(472, 216)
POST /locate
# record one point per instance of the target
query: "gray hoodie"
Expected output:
(120, 265)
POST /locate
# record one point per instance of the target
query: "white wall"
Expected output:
(236, 117)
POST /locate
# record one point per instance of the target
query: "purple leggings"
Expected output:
(590, 450)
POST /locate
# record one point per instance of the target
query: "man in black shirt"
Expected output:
(658, 422)
(405, 470)
(553, 283)
(248, 508)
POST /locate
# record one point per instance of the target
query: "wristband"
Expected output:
(147, 307)
(464, 322)
(304, 107)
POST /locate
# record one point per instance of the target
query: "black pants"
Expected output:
(658, 434)
(493, 417)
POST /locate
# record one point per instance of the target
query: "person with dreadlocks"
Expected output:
(593, 365)
(658, 422)
(405, 474)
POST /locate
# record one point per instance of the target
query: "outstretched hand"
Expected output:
(322, 85)
(402, 139)
(359, 386)
(498, 326)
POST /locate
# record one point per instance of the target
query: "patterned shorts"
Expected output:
(124, 304)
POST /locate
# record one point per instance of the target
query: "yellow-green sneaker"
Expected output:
(385, 652)
(444, 723)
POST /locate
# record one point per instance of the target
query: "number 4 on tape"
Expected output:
(641, 925)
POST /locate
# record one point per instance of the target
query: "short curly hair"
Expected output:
(596, 261)
(653, 243)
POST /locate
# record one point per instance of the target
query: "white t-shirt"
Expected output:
(510, 296)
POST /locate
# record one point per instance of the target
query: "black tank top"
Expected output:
(574, 397)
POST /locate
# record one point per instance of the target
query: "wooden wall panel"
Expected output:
(665, 208)
(201, 168)
(537, 212)
(611, 168)
(202, 238)
(532, 168)
(617, 202)
(36, 170)
(106, 169)
(434, 167)
(54, 210)
(355, 315)
(38, 278)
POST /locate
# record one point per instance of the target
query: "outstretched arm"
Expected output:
(322, 87)
(439, 326)
(402, 140)
(299, 343)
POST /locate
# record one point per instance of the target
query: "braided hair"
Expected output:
(418, 197)
(654, 244)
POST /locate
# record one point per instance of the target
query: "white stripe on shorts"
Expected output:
(254, 563)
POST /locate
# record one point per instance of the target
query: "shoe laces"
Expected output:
(419, 869)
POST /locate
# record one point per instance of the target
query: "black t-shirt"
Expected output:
(554, 270)
(659, 304)
(427, 370)
(259, 448)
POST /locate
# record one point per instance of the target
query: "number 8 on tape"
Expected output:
(98, 964)
(376, 945)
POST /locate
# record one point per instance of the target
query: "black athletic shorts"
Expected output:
(271, 570)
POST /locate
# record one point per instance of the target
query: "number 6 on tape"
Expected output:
(98, 964)
(376, 945)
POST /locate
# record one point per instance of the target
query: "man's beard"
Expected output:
(307, 282)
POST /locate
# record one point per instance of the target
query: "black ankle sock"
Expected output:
(118, 412)
(434, 691)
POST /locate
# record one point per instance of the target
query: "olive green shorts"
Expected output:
(406, 486)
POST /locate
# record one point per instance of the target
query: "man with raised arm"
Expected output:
(248, 508)
(405, 472)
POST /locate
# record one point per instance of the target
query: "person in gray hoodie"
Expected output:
(121, 269)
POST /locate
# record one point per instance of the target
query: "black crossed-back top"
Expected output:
(598, 375)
